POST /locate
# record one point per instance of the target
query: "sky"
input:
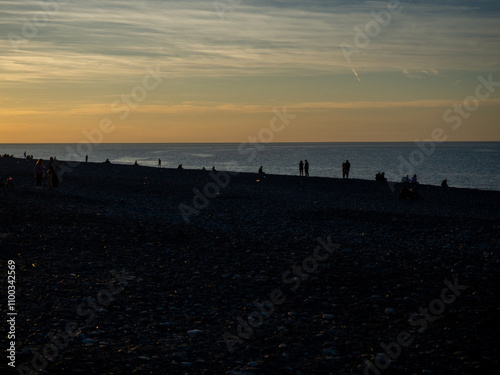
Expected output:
(220, 71)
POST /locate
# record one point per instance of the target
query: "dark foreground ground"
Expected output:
(110, 279)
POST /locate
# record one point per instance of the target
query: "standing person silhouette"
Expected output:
(306, 168)
(39, 173)
(159, 163)
(301, 168)
(53, 179)
(86, 158)
(347, 168)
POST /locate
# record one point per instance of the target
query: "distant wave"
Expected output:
(204, 155)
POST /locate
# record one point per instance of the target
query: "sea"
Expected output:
(472, 165)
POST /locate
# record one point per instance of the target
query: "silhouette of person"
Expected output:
(159, 163)
(86, 158)
(444, 183)
(107, 161)
(39, 172)
(301, 168)
(414, 179)
(53, 178)
(260, 170)
(180, 166)
(137, 164)
(306, 168)
(213, 168)
(346, 167)
(25, 154)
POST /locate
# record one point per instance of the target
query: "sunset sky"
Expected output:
(225, 65)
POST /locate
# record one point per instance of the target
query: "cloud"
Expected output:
(103, 40)
(91, 109)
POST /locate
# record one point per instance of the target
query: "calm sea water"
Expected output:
(463, 164)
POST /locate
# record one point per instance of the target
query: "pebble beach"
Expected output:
(138, 270)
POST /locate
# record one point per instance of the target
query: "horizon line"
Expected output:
(236, 142)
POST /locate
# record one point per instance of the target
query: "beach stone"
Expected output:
(330, 351)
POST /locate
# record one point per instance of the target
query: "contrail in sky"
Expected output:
(355, 73)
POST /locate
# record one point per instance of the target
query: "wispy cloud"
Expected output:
(95, 40)
(54, 108)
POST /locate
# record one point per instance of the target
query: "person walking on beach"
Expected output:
(25, 154)
(306, 168)
(39, 171)
(159, 163)
(86, 158)
(301, 168)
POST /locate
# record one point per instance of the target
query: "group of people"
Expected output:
(304, 171)
(406, 179)
(28, 157)
(51, 175)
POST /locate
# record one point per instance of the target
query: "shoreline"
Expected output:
(242, 173)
